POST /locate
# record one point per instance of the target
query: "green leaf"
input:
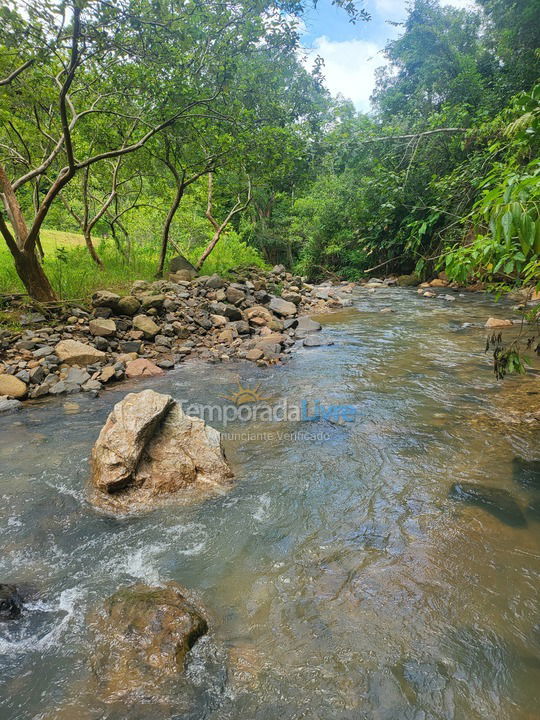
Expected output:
(507, 222)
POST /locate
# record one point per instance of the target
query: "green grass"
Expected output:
(75, 277)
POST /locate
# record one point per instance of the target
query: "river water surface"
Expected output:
(341, 581)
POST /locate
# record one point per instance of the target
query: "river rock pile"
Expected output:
(256, 317)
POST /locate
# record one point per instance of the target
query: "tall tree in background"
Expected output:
(140, 67)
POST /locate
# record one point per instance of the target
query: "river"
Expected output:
(341, 581)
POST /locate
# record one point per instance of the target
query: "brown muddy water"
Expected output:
(341, 581)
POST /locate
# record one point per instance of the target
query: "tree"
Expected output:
(239, 207)
(125, 71)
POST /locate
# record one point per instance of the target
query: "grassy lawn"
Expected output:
(53, 239)
(75, 276)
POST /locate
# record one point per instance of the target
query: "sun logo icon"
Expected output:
(245, 395)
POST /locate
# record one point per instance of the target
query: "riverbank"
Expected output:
(257, 316)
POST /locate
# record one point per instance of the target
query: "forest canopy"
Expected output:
(153, 128)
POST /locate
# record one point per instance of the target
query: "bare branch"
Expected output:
(7, 80)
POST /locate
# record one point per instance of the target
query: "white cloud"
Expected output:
(349, 67)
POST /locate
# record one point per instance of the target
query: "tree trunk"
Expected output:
(92, 250)
(211, 245)
(166, 229)
(33, 276)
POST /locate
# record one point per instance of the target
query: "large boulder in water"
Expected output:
(149, 450)
(494, 500)
(11, 602)
(141, 639)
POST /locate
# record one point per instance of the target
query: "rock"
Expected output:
(76, 376)
(278, 269)
(7, 405)
(108, 373)
(306, 324)
(101, 343)
(259, 315)
(290, 323)
(146, 325)
(204, 322)
(215, 282)
(59, 388)
(226, 336)
(312, 341)
(104, 298)
(496, 501)
(92, 386)
(73, 352)
(141, 639)
(232, 312)
(23, 376)
(526, 473)
(150, 449)
(181, 263)
(324, 293)
(254, 354)
(128, 305)
(242, 327)
(32, 319)
(438, 282)
(494, 322)
(103, 312)
(130, 346)
(293, 297)
(219, 320)
(102, 327)
(11, 602)
(235, 296)
(38, 375)
(163, 341)
(12, 387)
(282, 307)
(152, 301)
(124, 436)
(408, 280)
(141, 367)
(43, 352)
(181, 276)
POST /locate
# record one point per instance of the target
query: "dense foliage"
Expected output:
(153, 128)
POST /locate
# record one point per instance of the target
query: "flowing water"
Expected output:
(340, 579)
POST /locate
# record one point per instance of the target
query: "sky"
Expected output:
(351, 53)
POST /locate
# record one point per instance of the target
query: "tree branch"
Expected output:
(7, 80)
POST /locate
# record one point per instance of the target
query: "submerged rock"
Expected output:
(11, 602)
(526, 473)
(142, 637)
(533, 510)
(496, 501)
(150, 449)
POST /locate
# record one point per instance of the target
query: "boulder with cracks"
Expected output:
(149, 450)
